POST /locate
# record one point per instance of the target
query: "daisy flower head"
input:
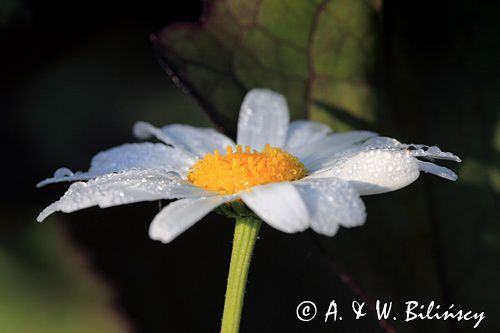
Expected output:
(292, 175)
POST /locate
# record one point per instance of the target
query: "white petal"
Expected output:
(373, 143)
(316, 155)
(128, 156)
(263, 119)
(122, 188)
(139, 155)
(389, 144)
(66, 175)
(143, 130)
(415, 150)
(375, 171)
(199, 141)
(429, 152)
(180, 215)
(278, 204)
(302, 133)
(437, 170)
(381, 142)
(331, 202)
(195, 140)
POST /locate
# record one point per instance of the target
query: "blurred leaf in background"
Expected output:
(361, 65)
(47, 285)
(317, 53)
(9, 9)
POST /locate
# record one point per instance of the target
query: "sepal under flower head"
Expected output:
(235, 210)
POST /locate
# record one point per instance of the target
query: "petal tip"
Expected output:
(437, 170)
(157, 234)
(264, 91)
(43, 215)
(453, 176)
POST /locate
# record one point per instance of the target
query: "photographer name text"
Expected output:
(412, 310)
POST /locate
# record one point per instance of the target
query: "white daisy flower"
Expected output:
(293, 176)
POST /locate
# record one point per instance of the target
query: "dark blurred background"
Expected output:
(77, 75)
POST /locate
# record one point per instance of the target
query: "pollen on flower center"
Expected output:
(239, 170)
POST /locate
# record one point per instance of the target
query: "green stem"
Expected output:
(245, 234)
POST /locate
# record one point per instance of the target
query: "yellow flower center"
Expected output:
(239, 170)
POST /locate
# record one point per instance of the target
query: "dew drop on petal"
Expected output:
(173, 176)
(63, 172)
(433, 150)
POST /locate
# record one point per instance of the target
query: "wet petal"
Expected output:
(383, 164)
(316, 155)
(415, 150)
(199, 141)
(303, 133)
(331, 202)
(180, 215)
(429, 152)
(143, 130)
(195, 140)
(278, 204)
(375, 171)
(437, 170)
(125, 157)
(122, 188)
(263, 119)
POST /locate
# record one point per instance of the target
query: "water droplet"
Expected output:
(434, 150)
(173, 176)
(63, 172)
